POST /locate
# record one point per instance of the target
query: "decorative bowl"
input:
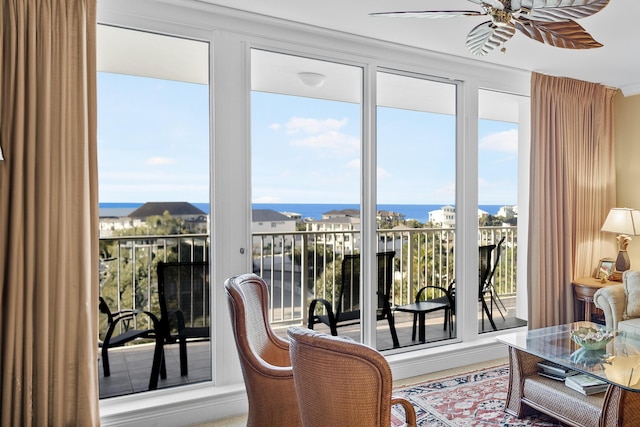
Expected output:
(591, 338)
(586, 358)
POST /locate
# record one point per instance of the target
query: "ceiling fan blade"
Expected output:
(487, 36)
(439, 14)
(567, 34)
(496, 4)
(560, 10)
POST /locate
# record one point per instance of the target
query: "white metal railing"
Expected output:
(298, 265)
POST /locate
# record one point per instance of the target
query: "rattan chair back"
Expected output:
(264, 356)
(342, 382)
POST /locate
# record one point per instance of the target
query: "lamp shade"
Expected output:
(623, 221)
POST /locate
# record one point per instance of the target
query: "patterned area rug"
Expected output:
(472, 399)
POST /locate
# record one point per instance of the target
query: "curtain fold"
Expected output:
(48, 213)
(572, 188)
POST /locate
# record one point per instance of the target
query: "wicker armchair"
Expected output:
(342, 382)
(264, 357)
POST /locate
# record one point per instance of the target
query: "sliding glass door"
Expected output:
(305, 174)
(416, 193)
(153, 156)
(500, 116)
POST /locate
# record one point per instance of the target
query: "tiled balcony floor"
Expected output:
(131, 365)
(131, 368)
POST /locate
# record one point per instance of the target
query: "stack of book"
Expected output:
(586, 384)
(555, 371)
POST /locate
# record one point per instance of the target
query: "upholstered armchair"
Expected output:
(340, 382)
(621, 303)
(264, 356)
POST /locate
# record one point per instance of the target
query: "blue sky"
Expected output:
(153, 146)
(152, 140)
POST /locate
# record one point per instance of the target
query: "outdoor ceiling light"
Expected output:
(312, 79)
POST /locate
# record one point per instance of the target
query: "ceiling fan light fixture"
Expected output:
(313, 80)
(501, 17)
(548, 22)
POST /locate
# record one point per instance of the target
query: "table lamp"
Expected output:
(625, 222)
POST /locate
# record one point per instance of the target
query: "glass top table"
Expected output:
(618, 363)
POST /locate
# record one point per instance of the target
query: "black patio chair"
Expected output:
(488, 285)
(347, 309)
(486, 271)
(183, 290)
(484, 274)
(121, 329)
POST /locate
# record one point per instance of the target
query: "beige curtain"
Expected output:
(571, 191)
(48, 213)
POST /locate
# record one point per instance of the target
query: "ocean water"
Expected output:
(315, 210)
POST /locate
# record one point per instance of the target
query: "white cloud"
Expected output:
(275, 126)
(383, 173)
(307, 125)
(328, 140)
(506, 141)
(160, 161)
(446, 192)
(353, 164)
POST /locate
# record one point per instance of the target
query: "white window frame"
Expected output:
(231, 34)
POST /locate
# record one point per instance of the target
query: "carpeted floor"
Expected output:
(473, 395)
(475, 398)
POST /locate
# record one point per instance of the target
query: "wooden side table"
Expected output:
(583, 290)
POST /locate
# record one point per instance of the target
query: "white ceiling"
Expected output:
(616, 64)
(140, 53)
(145, 54)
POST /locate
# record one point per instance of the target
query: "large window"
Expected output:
(153, 156)
(336, 158)
(307, 183)
(498, 133)
(305, 174)
(416, 193)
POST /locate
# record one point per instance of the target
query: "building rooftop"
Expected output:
(342, 213)
(159, 208)
(267, 215)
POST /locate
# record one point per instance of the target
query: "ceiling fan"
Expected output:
(547, 21)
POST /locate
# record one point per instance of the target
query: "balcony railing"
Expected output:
(298, 265)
